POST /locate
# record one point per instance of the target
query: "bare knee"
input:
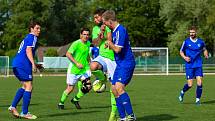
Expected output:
(190, 83)
(69, 89)
(94, 66)
(120, 88)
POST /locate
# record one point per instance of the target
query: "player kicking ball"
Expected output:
(78, 69)
(191, 51)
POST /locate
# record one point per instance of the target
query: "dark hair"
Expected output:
(32, 25)
(99, 11)
(193, 28)
(84, 29)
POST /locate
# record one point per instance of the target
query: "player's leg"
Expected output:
(83, 89)
(120, 107)
(113, 113)
(28, 85)
(188, 85)
(71, 81)
(123, 99)
(98, 67)
(199, 75)
(18, 96)
(80, 94)
(111, 65)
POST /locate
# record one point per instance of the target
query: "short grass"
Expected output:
(154, 98)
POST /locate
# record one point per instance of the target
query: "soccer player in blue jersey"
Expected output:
(125, 65)
(191, 51)
(23, 64)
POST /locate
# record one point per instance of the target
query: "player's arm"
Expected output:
(71, 58)
(184, 56)
(205, 52)
(97, 38)
(116, 49)
(187, 59)
(30, 57)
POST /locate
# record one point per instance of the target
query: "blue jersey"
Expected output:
(95, 52)
(21, 60)
(125, 58)
(193, 50)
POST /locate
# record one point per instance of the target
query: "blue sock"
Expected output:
(120, 108)
(186, 87)
(18, 97)
(199, 91)
(125, 99)
(26, 102)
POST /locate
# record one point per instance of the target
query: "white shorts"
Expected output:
(108, 65)
(72, 79)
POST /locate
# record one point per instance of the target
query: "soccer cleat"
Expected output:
(131, 117)
(76, 103)
(112, 117)
(14, 112)
(181, 97)
(60, 106)
(28, 116)
(198, 101)
(124, 119)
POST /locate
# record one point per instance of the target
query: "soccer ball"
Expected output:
(98, 86)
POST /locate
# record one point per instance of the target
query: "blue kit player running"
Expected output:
(125, 65)
(23, 64)
(191, 51)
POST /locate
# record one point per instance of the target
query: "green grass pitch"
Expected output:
(154, 98)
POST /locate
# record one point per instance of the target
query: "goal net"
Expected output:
(4, 66)
(151, 61)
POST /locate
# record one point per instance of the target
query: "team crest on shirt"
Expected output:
(189, 45)
(199, 45)
(30, 76)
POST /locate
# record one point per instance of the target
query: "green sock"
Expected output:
(100, 75)
(63, 97)
(80, 93)
(113, 103)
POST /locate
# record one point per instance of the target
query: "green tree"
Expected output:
(141, 18)
(180, 15)
(21, 13)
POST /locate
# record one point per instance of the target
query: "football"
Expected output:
(98, 86)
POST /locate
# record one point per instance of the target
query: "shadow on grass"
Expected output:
(66, 114)
(160, 117)
(97, 107)
(208, 102)
(204, 102)
(34, 104)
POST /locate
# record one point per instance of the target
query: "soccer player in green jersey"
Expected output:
(105, 62)
(78, 54)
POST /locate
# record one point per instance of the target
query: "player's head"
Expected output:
(109, 18)
(193, 32)
(98, 16)
(34, 28)
(84, 34)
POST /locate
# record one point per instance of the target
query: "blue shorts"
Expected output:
(122, 75)
(192, 73)
(23, 75)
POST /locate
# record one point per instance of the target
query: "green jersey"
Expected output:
(80, 52)
(104, 52)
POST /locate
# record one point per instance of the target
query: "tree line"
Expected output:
(150, 23)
